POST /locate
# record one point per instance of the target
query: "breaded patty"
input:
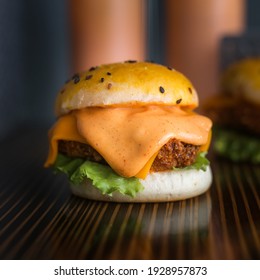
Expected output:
(173, 154)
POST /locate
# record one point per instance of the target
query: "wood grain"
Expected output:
(40, 219)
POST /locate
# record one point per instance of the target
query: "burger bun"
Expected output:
(241, 80)
(158, 187)
(126, 84)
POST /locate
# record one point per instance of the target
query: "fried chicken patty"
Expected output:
(236, 114)
(173, 154)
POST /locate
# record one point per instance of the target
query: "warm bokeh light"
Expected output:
(105, 31)
(194, 30)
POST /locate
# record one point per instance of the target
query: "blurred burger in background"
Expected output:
(235, 112)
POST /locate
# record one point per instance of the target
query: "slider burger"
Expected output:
(236, 112)
(126, 132)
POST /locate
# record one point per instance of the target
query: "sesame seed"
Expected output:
(88, 77)
(108, 73)
(62, 91)
(178, 101)
(92, 68)
(102, 80)
(190, 90)
(170, 68)
(109, 86)
(76, 78)
(130, 61)
(161, 89)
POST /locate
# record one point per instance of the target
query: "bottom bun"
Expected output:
(158, 187)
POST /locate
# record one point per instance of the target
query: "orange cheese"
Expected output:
(130, 138)
(205, 147)
(145, 170)
(64, 129)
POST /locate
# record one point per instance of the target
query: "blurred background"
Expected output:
(44, 42)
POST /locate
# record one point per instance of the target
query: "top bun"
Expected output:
(127, 83)
(242, 79)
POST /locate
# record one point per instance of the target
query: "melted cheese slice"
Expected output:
(130, 138)
(64, 129)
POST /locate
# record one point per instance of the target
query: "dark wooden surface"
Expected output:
(40, 219)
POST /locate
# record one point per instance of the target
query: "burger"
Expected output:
(236, 112)
(127, 132)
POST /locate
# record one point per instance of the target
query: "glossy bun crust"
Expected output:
(241, 80)
(127, 83)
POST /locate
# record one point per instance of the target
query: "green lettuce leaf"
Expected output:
(236, 146)
(67, 165)
(200, 163)
(104, 178)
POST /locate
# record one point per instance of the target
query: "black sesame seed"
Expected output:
(92, 68)
(88, 77)
(130, 61)
(76, 78)
(109, 85)
(108, 73)
(190, 90)
(178, 101)
(161, 89)
(170, 68)
(102, 80)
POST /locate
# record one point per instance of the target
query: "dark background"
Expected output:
(35, 60)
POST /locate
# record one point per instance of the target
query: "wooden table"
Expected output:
(41, 219)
